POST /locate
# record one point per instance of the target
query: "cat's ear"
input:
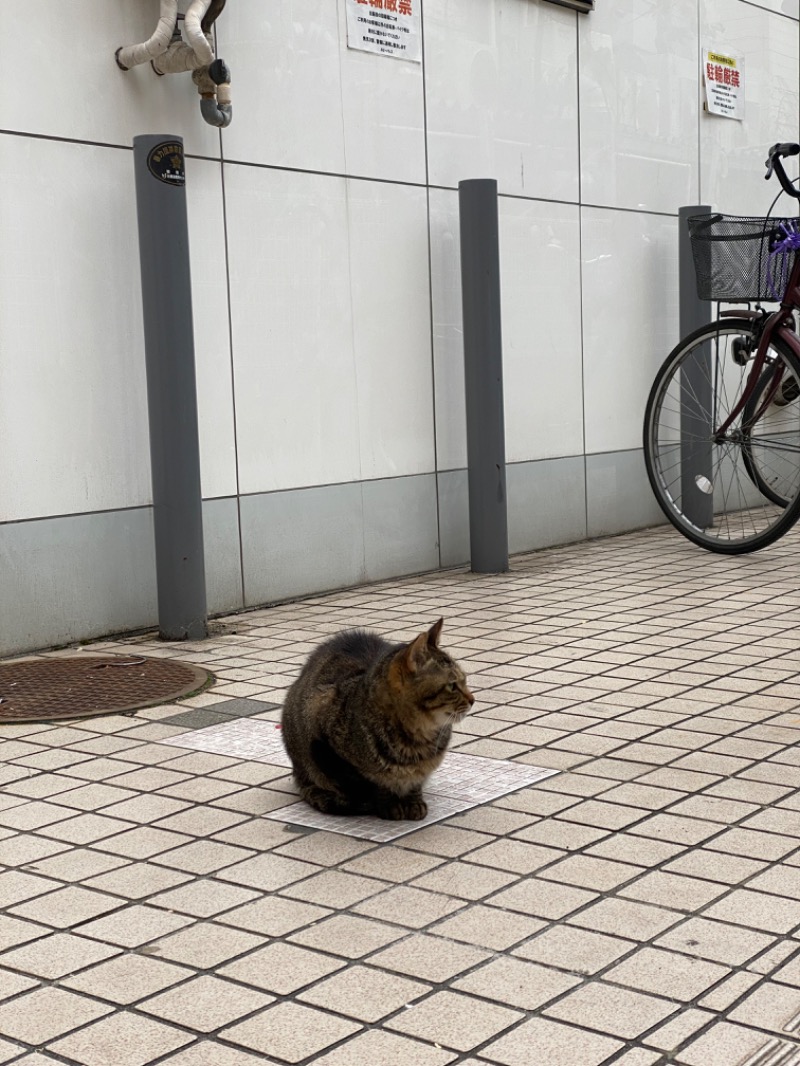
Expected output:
(416, 653)
(433, 633)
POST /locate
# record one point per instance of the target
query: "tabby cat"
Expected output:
(367, 722)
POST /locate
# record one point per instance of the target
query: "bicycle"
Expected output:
(722, 423)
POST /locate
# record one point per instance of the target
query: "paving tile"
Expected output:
(714, 866)
(34, 815)
(274, 915)
(347, 935)
(488, 927)
(281, 968)
(203, 856)
(666, 973)
(756, 910)
(143, 842)
(364, 993)
(16, 887)
(733, 988)
(603, 815)
(430, 958)
(447, 841)
(454, 1020)
(331, 888)
(205, 945)
(591, 872)
(412, 907)
(267, 872)
(67, 907)
(789, 973)
(753, 844)
(37, 1017)
(134, 926)
(137, 880)
(561, 835)
(671, 890)
(201, 820)
(122, 1040)
(577, 950)
(210, 1053)
(638, 850)
(639, 1057)
(611, 1011)
(203, 898)
(770, 1006)
(649, 797)
(55, 956)
(679, 830)
(781, 880)
(776, 820)
(516, 983)
(14, 931)
(11, 984)
(380, 1048)
(290, 1031)
(128, 978)
(205, 1003)
(637, 921)
(717, 941)
(333, 849)
(27, 850)
(676, 1031)
(464, 880)
(85, 828)
(392, 864)
(545, 899)
(722, 1045)
(545, 1041)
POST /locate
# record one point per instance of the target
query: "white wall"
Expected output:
(325, 259)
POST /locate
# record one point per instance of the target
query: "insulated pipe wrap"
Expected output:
(135, 54)
(177, 60)
(195, 13)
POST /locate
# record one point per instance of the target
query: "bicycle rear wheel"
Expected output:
(772, 450)
(710, 490)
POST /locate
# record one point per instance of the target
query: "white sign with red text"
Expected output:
(386, 27)
(723, 75)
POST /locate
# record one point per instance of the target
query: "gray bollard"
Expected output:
(483, 376)
(171, 386)
(696, 447)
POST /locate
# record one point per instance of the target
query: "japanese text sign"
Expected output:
(387, 27)
(723, 75)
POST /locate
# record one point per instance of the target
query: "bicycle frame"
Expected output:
(780, 323)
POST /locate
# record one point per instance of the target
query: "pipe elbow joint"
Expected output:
(215, 113)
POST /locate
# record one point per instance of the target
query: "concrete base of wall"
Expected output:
(84, 576)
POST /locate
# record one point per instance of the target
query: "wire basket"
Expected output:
(732, 257)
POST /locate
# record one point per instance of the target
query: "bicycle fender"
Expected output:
(733, 313)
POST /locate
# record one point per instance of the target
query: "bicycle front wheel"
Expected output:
(771, 418)
(710, 489)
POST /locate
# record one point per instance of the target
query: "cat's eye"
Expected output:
(451, 687)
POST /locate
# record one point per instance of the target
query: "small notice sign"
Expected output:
(723, 75)
(386, 27)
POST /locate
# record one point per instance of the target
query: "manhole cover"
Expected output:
(83, 686)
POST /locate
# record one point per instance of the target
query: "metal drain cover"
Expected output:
(84, 686)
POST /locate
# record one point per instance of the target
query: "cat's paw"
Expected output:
(411, 809)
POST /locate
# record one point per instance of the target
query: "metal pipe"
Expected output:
(171, 386)
(483, 375)
(696, 448)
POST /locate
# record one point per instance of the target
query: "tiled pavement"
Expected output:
(641, 907)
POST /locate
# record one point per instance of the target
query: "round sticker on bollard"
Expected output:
(165, 162)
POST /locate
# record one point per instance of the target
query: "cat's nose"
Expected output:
(469, 697)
